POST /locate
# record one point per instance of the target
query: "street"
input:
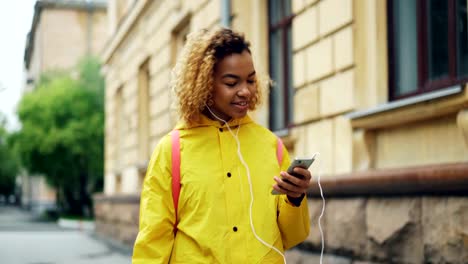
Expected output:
(24, 240)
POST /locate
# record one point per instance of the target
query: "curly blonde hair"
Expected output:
(192, 77)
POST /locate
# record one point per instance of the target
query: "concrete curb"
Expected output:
(76, 224)
(112, 244)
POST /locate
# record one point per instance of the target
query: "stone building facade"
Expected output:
(364, 83)
(62, 32)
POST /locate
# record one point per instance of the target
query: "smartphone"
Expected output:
(297, 162)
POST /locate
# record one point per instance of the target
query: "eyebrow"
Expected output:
(229, 75)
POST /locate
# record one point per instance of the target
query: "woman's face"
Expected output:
(234, 86)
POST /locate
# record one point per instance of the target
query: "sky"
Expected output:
(15, 23)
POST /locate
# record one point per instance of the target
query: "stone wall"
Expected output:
(412, 229)
(117, 217)
(357, 230)
(324, 66)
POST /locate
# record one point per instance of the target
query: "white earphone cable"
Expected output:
(323, 211)
(241, 158)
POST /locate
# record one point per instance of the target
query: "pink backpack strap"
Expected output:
(279, 151)
(175, 138)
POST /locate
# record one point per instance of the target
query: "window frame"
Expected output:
(144, 97)
(424, 85)
(283, 25)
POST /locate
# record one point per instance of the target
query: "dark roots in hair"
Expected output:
(227, 42)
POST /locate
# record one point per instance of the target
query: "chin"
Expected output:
(239, 115)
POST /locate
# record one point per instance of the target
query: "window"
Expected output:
(179, 37)
(428, 45)
(118, 183)
(280, 58)
(141, 179)
(119, 128)
(143, 110)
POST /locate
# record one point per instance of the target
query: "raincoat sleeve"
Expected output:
(293, 221)
(156, 230)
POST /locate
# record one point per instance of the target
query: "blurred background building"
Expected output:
(377, 87)
(62, 32)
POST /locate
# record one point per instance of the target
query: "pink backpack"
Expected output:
(175, 138)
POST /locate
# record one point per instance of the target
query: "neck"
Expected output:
(211, 115)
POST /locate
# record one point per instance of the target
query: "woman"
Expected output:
(226, 212)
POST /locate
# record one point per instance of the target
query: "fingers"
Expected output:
(285, 191)
(303, 172)
(302, 182)
(296, 186)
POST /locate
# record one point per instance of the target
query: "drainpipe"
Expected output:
(226, 13)
(89, 31)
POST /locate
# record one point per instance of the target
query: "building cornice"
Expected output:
(124, 28)
(56, 4)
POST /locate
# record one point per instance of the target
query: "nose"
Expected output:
(244, 91)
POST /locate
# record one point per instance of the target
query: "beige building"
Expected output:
(62, 32)
(378, 88)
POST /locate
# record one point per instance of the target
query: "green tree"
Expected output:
(8, 161)
(62, 134)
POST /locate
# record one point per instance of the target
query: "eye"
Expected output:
(230, 84)
(250, 81)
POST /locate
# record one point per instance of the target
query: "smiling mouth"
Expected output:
(244, 103)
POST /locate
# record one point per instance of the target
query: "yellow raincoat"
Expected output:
(213, 210)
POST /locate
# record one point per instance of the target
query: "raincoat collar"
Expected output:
(205, 121)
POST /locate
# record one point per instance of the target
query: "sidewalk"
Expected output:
(24, 241)
(16, 219)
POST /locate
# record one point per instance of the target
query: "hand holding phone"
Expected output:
(297, 162)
